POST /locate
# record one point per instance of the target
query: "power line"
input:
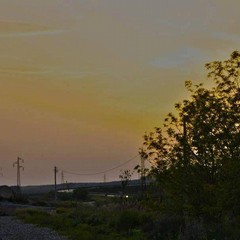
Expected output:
(108, 170)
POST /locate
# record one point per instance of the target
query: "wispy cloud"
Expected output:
(226, 36)
(19, 29)
(36, 33)
(179, 58)
(45, 72)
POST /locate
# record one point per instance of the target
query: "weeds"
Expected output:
(89, 223)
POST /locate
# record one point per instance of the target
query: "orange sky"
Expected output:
(82, 80)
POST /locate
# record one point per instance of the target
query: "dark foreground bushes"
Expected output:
(92, 223)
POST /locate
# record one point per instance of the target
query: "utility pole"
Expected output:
(186, 164)
(62, 177)
(1, 174)
(143, 177)
(55, 183)
(185, 150)
(19, 167)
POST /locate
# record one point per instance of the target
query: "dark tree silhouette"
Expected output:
(195, 156)
(125, 177)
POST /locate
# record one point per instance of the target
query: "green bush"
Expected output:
(167, 227)
(65, 196)
(127, 219)
(83, 222)
(80, 194)
(34, 216)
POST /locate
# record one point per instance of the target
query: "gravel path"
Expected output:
(13, 229)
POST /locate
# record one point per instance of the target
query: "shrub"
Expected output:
(80, 194)
(127, 219)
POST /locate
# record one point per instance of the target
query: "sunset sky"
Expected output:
(83, 80)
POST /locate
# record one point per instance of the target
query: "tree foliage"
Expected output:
(125, 177)
(195, 156)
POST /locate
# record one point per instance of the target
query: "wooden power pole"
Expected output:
(55, 183)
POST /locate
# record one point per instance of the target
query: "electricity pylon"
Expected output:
(104, 178)
(19, 167)
(143, 169)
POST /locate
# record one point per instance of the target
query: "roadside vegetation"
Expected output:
(195, 181)
(83, 221)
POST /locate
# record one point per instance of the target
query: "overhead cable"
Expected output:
(105, 171)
